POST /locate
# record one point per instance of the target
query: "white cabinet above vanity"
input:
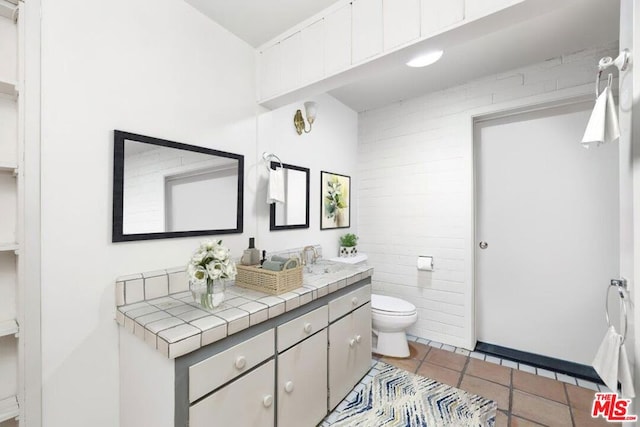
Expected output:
(298, 355)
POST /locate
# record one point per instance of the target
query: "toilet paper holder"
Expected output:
(425, 263)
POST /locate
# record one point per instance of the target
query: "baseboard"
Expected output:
(569, 368)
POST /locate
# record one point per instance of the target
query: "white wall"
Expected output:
(330, 146)
(415, 184)
(154, 67)
(629, 110)
(157, 68)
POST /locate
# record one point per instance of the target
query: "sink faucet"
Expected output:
(314, 256)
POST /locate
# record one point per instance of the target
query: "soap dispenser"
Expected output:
(251, 256)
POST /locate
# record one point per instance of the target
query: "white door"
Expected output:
(547, 209)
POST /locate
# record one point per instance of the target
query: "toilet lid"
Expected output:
(391, 304)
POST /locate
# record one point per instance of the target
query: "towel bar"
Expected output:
(621, 287)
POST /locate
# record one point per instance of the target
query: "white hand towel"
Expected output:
(612, 364)
(275, 190)
(603, 124)
(624, 374)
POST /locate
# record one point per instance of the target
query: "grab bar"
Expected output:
(621, 287)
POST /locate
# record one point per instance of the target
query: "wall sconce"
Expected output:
(310, 108)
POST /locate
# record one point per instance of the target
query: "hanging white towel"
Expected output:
(603, 124)
(275, 190)
(612, 364)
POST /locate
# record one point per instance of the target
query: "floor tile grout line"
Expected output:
(566, 395)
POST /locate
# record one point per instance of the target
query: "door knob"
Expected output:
(288, 387)
(483, 245)
(354, 301)
(358, 339)
(352, 342)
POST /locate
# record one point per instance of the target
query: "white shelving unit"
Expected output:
(10, 199)
(8, 327)
(9, 409)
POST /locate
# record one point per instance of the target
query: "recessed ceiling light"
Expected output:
(426, 59)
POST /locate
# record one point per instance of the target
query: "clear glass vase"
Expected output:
(209, 295)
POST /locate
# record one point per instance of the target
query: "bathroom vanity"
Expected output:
(258, 360)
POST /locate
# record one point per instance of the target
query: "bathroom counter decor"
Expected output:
(268, 281)
(158, 307)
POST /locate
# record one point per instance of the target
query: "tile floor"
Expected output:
(526, 396)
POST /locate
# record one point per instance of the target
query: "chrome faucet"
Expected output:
(314, 256)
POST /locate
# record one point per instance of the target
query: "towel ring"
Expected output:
(598, 77)
(267, 158)
(620, 286)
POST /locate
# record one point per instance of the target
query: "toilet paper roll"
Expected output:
(425, 263)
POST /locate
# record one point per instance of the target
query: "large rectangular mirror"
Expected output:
(164, 189)
(294, 212)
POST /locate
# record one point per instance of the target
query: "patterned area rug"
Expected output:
(398, 398)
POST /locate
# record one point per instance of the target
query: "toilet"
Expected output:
(390, 319)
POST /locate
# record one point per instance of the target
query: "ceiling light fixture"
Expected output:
(425, 59)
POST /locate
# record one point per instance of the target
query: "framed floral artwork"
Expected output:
(335, 190)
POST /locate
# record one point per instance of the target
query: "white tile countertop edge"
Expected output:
(175, 325)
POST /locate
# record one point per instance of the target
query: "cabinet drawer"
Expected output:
(346, 303)
(211, 373)
(246, 402)
(300, 328)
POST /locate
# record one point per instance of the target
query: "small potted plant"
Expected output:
(348, 245)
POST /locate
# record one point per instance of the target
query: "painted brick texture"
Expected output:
(415, 184)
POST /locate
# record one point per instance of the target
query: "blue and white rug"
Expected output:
(397, 398)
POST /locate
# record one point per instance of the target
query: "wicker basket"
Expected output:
(267, 281)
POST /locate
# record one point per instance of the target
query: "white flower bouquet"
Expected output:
(210, 263)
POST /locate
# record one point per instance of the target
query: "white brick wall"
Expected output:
(414, 185)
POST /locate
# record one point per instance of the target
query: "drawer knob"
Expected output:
(352, 342)
(354, 301)
(241, 362)
(288, 386)
(307, 327)
(267, 401)
(358, 339)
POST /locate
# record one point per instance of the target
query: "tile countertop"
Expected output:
(175, 325)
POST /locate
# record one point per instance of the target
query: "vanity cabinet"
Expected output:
(281, 372)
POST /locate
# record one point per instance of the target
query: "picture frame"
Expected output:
(335, 200)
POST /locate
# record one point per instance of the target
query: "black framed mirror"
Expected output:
(164, 189)
(294, 212)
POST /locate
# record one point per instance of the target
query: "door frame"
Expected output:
(543, 101)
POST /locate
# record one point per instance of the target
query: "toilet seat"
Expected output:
(391, 306)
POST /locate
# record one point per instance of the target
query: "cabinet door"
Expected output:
(401, 22)
(337, 42)
(246, 402)
(290, 50)
(270, 71)
(312, 53)
(302, 383)
(349, 352)
(367, 29)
